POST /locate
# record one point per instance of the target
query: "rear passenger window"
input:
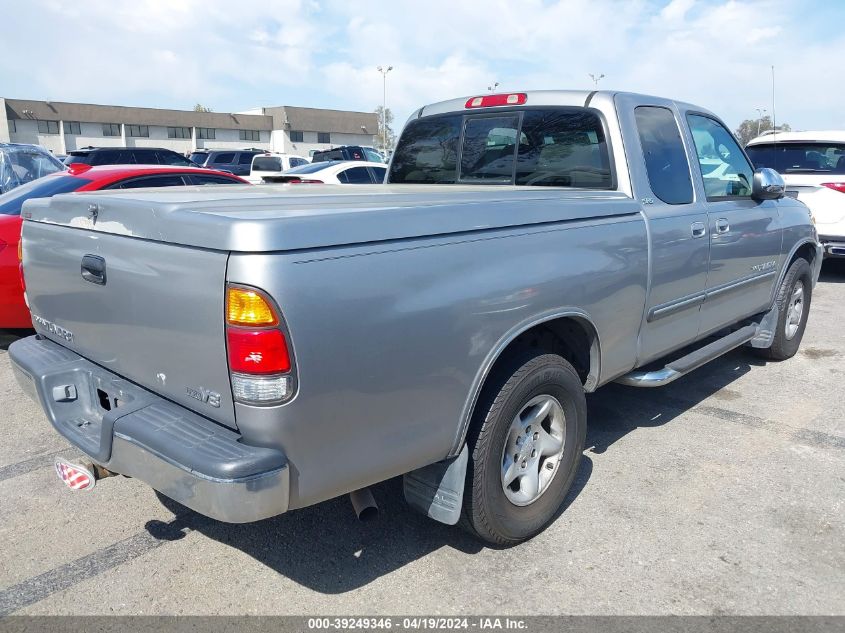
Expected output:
(356, 176)
(665, 158)
(724, 168)
(224, 159)
(112, 157)
(171, 180)
(245, 159)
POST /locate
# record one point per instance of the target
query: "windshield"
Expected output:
(796, 158)
(559, 147)
(267, 163)
(11, 203)
(20, 165)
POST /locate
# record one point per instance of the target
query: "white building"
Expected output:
(62, 127)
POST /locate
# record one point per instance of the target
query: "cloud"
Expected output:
(324, 53)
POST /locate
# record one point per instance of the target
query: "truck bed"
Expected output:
(288, 217)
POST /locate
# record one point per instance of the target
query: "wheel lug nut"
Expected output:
(527, 430)
(523, 464)
(536, 435)
(549, 466)
(533, 453)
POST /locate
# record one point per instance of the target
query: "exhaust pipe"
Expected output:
(364, 505)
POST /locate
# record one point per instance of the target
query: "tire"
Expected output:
(508, 516)
(788, 333)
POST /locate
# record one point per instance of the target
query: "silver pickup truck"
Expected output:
(249, 351)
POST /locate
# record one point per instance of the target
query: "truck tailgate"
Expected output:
(154, 318)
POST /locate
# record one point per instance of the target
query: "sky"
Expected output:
(235, 55)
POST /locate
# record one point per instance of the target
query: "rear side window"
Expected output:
(203, 179)
(799, 158)
(560, 147)
(268, 163)
(379, 173)
(165, 157)
(245, 159)
(145, 157)
(224, 159)
(356, 176)
(165, 180)
(663, 151)
(112, 157)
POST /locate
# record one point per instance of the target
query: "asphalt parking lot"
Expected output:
(721, 493)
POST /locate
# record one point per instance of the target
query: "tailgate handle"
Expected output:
(94, 269)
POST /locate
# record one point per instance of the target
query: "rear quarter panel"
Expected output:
(391, 338)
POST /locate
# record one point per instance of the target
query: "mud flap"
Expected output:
(437, 490)
(766, 329)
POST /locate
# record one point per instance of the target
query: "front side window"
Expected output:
(111, 129)
(379, 173)
(72, 127)
(165, 157)
(48, 127)
(324, 137)
(663, 151)
(199, 158)
(724, 168)
(801, 157)
(296, 136)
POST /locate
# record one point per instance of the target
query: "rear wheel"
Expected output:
(793, 301)
(525, 444)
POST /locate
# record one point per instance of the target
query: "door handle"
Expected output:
(722, 226)
(94, 269)
(698, 229)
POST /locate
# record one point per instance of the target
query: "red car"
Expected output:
(13, 310)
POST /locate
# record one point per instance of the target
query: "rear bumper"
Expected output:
(132, 431)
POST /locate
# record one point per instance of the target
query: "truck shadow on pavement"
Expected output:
(833, 271)
(326, 548)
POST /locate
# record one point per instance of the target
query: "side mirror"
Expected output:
(767, 185)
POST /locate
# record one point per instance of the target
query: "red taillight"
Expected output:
(257, 351)
(489, 101)
(260, 363)
(2, 245)
(305, 181)
(836, 186)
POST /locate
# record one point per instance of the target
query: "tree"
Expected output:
(751, 128)
(201, 108)
(386, 139)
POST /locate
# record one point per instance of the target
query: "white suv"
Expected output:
(813, 166)
(272, 164)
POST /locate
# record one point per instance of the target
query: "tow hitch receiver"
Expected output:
(75, 476)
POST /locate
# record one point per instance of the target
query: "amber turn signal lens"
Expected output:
(249, 308)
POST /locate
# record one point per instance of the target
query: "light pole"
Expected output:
(493, 87)
(760, 113)
(384, 72)
(596, 78)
